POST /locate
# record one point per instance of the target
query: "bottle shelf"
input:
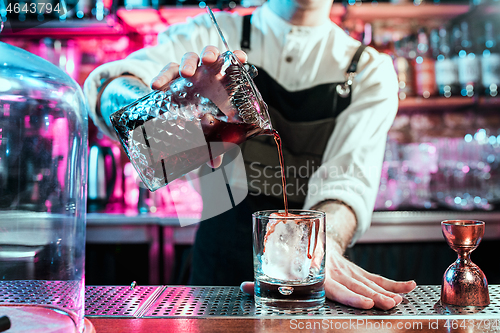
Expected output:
(479, 12)
(170, 14)
(386, 11)
(493, 102)
(413, 104)
(67, 29)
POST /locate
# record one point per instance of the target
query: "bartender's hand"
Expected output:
(351, 285)
(346, 282)
(187, 68)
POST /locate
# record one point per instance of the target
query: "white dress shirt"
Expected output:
(297, 57)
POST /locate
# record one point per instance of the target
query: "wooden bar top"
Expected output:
(205, 309)
(368, 325)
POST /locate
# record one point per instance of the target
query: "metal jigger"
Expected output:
(464, 283)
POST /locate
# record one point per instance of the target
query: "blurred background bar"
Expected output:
(442, 159)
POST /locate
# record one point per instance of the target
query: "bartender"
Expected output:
(331, 99)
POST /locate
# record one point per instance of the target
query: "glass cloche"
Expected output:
(43, 174)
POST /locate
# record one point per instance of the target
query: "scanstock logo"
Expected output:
(19, 15)
(221, 188)
(225, 187)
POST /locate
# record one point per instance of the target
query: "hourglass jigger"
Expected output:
(464, 283)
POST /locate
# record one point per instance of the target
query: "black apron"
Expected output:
(222, 253)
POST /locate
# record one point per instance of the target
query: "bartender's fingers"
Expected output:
(247, 287)
(380, 301)
(242, 56)
(360, 282)
(216, 162)
(167, 74)
(369, 283)
(341, 294)
(210, 54)
(391, 285)
(189, 63)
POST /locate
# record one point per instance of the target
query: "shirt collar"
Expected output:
(280, 26)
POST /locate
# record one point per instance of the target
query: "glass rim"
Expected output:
(268, 212)
(464, 223)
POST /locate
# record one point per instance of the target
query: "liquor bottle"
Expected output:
(490, 61)
(469, 67)
(403, 68)
(446, 69)
(423, 65)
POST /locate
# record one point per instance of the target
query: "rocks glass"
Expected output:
(289, 259)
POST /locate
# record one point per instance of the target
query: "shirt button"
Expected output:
(289, 59)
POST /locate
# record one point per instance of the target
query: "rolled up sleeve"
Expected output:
(145, 70)
(352, 162)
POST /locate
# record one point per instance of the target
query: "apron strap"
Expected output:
(245, 36)
(344, 89)
(353, 67)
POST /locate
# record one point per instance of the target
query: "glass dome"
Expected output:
(43, 174)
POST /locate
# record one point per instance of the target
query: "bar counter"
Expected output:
(226, 309)
(164, 233)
